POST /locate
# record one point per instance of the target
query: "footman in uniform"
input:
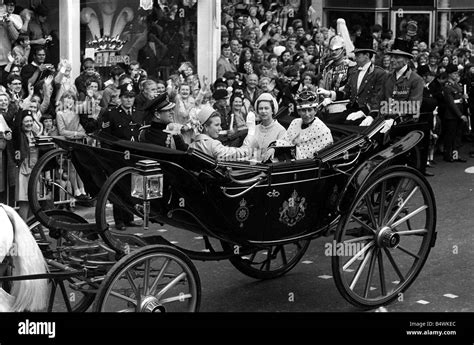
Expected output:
(123, 122)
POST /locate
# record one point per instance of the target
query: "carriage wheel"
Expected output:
(383, 241)
(271, 262)
(151, 279)
(50, 181)
(79, 299)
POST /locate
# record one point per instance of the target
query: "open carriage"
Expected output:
(380, 212)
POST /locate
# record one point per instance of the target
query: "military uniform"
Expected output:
(122, 123)
(403, 95)
(452, 123)
(155, 133)
(335, 75)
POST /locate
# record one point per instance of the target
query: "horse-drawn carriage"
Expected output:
(380, 211)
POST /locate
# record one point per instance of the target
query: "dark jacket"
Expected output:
(369, 95)
(154, 134)
(121, 125)
(407, 92)
(452, 93)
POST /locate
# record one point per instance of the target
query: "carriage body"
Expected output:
(344, 191)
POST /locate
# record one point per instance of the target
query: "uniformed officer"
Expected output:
(123, 122)
(160, 130)
(453, 119)
(402, 95)
(403, 89)
(363, 88)
(432, 98)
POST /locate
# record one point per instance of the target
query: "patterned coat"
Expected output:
(308, 141)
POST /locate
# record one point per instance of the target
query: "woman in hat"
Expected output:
(206, 141)
(308, 133)
(69, 126)
(23, 142)
(269, 130)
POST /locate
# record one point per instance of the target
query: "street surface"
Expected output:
(444, 284)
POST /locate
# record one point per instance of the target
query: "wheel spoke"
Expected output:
(413, 232)
(136, 290)
(382, 201)
(358, 239)
(408, 216)
(417, 257)
(171, 284)
(381, 273)
(355, 257)
(269, 259)
(360, 269)
(176, 298)
(145, 278)
(394, 264)
(153, 287)
(402, 206)
(364, 225)
(126, 298)
(283, 255)
(370, 211)
(368, 281)
(392, 202)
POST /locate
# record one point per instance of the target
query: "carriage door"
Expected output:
(424, 24)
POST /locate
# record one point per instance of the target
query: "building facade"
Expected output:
(113, 31)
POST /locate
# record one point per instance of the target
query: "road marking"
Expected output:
(349, 270)
(469, 170)
(325, 276)
(422, 302)
(198, 238)
(372, 288)
(162, 230)
(205, 250)
(450, 295)
(174, 242)
(396, 282)
(307, 262)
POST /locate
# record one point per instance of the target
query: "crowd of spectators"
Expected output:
(266, 48)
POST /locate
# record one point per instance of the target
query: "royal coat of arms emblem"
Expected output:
(242, 213)
(293, 210)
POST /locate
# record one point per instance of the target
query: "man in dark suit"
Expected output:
(454, 120)
(123, 122)
(432, 98)
(363, 88)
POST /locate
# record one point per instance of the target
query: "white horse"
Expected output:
(17, 242)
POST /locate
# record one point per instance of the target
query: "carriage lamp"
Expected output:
(147, 184)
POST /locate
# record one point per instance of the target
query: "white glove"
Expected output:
(251, 123)
(326, 102)
(367, 121)
(387, 125)
(355, 116)
(323, 92)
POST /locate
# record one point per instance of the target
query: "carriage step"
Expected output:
(156, 239)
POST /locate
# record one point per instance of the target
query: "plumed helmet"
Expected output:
(335, 45)
(267, 97)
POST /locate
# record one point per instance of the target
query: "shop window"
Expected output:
(119, 32)
(364, 19)
(408, 3)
